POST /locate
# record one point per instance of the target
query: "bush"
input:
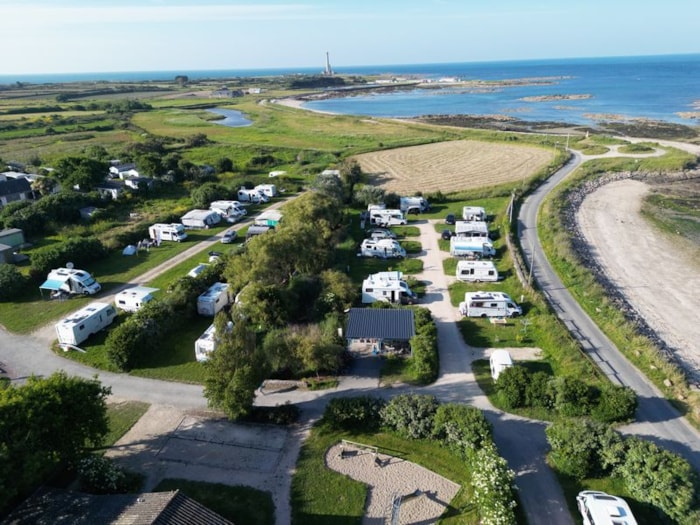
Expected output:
(79, 251)
(461, 427)
(494, 487)
(512, 385)
(616, 403)
(537, 393)
(100, 475)
(410, 415)
(349, 413)
(572, 397)
(425, 360)
(12, 282)
(286, 414)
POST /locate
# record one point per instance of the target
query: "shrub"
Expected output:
(100, 475)
(79, 251)
(572, 397)
(410, 415)
(354, 413)
(537, 392)
(12, 282)
(512, 385)
(425, 361)
(461, 427)
(616, 403)
(494, 488)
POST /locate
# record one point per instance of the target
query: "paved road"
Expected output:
(657, 419)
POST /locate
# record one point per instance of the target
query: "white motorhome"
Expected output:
(599, 508)
(488, 304)
(471, 229)
(254, 196)
(80, 325)
(200, 219)
(387, 286)
(132, 299)
(70, 281)
(414, 205)
(214, 299)
(499, 361)
(381, 248)
(387, 218)
(267, 189)
(476, 271)
(471, 247)
(473, 213)
(231, 211)
(167, 232)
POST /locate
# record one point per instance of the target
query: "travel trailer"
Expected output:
(253, 196)
(414, 205)
(599, 508)
(499, 361)
(132, 299)
(80, 325)
(473, 213)
(207, 342)
(387, 286)
(387, 218)
(167, 232)
(214, 299)
(70, 281)
(488, 304)
(471, 247)
(256, 230)
(231, 211)
(381, 248)
(269, 218)
(476, 271)
(472, 229)
(269, 190)
(200, 219)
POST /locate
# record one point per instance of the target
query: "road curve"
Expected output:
(656, 419)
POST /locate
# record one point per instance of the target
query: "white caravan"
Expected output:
(471, 247)
(488, 304)
(132, 299)
(253, 196)
(167, 232)
(499, 361)
(200, 218)
(414, 205)
(80, 325)
(599, 508)
(381, 248)
(269, 190)
(214, 299)
(473, 213)
(387, 286)
(231, 211)
(207, 342)
(71, 281)
(387, 218)
(476, 271)
(471, 229)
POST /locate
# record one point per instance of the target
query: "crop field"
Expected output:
(453, 165)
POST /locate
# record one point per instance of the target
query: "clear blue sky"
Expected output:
(63, 36)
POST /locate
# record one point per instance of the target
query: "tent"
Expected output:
(129, 250)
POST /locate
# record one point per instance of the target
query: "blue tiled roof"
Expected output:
(380, 323)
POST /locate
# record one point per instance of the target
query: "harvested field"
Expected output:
(452, 166)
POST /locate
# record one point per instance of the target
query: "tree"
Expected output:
(12, 282)
(511, 386)
(224, 164)
(494, 487)
(82, 172)
(369, 195)
(182, 80)
(410, 415)
(615, 403)
(338, 292)
(206, 193)
(44, 185)
(350, 174)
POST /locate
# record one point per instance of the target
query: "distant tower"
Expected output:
(328, 72)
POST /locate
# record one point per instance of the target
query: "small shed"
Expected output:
(12, 237)
(380, 330)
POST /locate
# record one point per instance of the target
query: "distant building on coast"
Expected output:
(328, 72)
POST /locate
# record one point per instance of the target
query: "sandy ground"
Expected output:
(657, 276)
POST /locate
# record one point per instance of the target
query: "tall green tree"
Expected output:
(83, 172)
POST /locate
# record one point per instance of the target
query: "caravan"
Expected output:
(381, 248)
(498, 362)
(472, 229)
(132, 299)
(387, 286)
(80, 325)
(214, 299)
(231, 211)
(476, 271)
(254, 196)
(167, 232)
(599, 508)
(489, 304)
(471, 247)
(200, 218)
(474, 213)
(270, 190)
(414, 205)
(387, 218)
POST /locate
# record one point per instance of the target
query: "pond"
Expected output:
(232, 118)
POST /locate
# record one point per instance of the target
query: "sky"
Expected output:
(75, 36)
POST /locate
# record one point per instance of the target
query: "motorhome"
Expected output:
(378, 206)
(488, 304)
(214, 299)
(476, 271)
(381, 248)
(599, 508)
(387, 286)
(472, 229)
(473, 213)
(499, 361)
(267, 189)
(70, 281)
(471, 247)
(387, 218)
(167, 232)
(132, 299)
(231, 211)
(80, 325)
(254, 196)
(414, 205)
(269, 218)
(200, 219)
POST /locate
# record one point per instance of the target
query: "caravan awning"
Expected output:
(51, 284)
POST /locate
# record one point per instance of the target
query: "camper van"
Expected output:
(269, 190)
(387, 286)
(387, 218)
(80, 325)
(231, 211)
(214, 299)
(253, 196)
(476, 271)
(167, 232)
(472, 229)
(132, 299)
(414, 205)
(599, 508)
(471, 247)
(473, 213)
(200, 219)
(381, 248)
(70, 281)
(488, 304)
(499, 361)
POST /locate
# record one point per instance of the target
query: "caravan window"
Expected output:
(490, 272)
(81, 327)
(369, 290)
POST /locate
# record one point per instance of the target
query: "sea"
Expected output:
(576, 91)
